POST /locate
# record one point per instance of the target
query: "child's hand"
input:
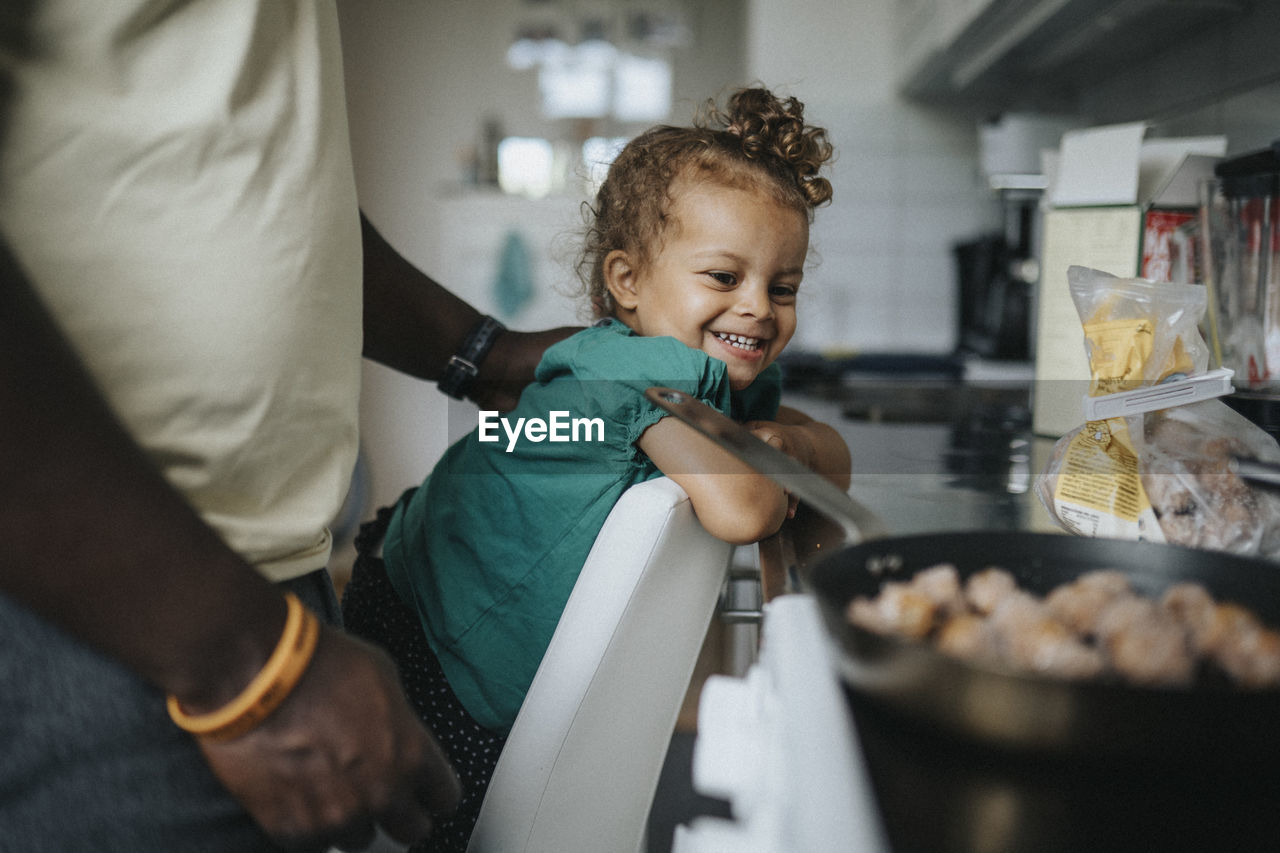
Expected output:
(813, 444)
(790, 440)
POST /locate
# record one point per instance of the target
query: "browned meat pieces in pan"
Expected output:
(1096, 626)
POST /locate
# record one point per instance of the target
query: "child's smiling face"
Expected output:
(722, 279)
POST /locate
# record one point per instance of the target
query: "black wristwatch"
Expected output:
(463, 365)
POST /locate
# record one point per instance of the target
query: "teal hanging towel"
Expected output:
(514, 285)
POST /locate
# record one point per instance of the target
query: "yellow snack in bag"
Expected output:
(1118, 351)
(1121, 350)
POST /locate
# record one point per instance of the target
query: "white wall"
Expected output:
(906, 182)
(422, 76)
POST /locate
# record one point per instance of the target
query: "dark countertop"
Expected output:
(933, 456)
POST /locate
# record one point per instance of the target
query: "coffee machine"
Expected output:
(997, 271)
(996, 274)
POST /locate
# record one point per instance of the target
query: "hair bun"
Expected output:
(770, 127)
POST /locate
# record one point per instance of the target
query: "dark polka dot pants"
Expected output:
(373, 611)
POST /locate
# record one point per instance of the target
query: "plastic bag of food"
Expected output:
(1138, 333)
(1162, 476)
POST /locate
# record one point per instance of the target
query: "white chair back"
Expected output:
(579, 770)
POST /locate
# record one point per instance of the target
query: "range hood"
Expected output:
(1041, 54)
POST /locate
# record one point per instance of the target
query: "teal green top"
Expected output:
(488, 550)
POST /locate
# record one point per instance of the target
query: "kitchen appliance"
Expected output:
(995, 275)
(965, 758)
(781, 747)
(1239, 259)
(1241, 221)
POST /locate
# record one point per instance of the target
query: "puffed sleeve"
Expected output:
(607, 370)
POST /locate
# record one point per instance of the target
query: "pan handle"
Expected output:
(857, 522)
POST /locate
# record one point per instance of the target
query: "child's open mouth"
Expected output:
(739, 341)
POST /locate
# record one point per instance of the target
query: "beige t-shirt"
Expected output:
(178, 185)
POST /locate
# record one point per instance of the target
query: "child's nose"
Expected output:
(754, 301)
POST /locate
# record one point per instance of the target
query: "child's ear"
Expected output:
(620, 278)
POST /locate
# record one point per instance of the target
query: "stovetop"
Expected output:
(780, 746)
(808, 767)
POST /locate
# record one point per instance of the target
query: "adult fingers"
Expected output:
(358, 836)
(406, 820)
(435, 791)
(438, 786)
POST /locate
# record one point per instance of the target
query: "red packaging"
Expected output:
(1160, 226)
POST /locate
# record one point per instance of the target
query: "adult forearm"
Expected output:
(413, 324)
(94, 539)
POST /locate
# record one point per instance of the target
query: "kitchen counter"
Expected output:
(851, 778)
(967, 460)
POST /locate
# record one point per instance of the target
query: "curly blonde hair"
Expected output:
(758, 142)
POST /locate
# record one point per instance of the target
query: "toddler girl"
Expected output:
(692, 265)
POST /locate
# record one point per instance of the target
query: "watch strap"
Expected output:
(463, 366)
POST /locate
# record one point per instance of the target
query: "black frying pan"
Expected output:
(1022, 714)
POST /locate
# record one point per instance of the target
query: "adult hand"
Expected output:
(342, 755)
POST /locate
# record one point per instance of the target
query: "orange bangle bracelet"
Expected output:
(268, 688)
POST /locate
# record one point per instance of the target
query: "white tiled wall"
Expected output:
(464, 239)
(906, 182)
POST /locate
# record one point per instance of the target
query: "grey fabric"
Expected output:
(89, 760)
(316, 591)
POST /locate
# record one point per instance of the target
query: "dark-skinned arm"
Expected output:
(94, 539)
(413, 324)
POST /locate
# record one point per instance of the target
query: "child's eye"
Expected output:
(725, 278)
(783, 291)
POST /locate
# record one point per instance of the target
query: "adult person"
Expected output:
(180, 333)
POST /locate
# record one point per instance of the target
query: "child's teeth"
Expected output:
(739, 341)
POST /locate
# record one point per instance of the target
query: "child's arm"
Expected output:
(820, 447)
(732, 501)
(814, 444)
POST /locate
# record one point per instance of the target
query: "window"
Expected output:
(526, 166)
